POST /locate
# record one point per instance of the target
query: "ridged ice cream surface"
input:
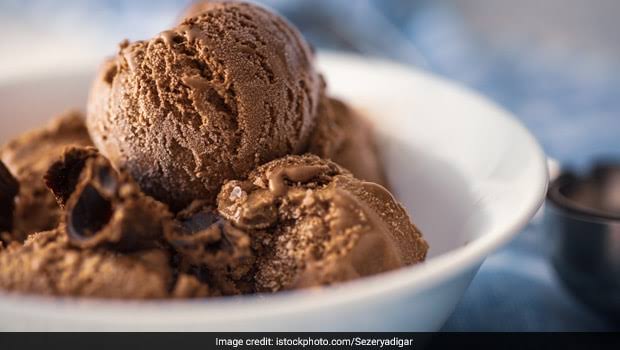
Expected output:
(221, 93)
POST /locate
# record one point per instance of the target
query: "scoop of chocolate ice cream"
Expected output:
(28, 157)
(314, 224)
(224, 91)
(347, 138)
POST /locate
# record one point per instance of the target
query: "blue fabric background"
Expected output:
(553, 64)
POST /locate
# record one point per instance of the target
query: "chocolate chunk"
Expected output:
(63, 175)
(202, 238)
(9, 187)
(104, 207)
(28, 156)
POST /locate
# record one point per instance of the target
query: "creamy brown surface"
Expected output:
(47, 264)
(213, 248)
(296, 222)
(345, 137)
(192, 188)
(206, 101)
(313, 224)
(110, 242)
(27, 157)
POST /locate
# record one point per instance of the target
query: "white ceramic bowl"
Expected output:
(470, 175)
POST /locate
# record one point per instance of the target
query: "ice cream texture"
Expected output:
(314, 224)
(211, 162)
(206, 101)
(27, 157)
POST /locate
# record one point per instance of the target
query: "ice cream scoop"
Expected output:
(209, 100)
(314, 224)
(345, 137)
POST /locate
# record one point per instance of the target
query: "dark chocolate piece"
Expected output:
(104, 207)
(203, 238)
(9, 187)
(63, 175)
(28, 156)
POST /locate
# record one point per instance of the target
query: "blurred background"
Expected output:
(555, 64)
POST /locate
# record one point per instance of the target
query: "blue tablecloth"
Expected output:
(554, 66)
(517, 290)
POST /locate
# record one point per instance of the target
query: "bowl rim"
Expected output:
(432, 272)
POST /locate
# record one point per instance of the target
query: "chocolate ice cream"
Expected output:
(221, 93)
(212, 248)
(9, 188)
(341, 134)
(104, 207)
(314, 224)
(198, 7)
(47, 264)
(195, 186)
(345, 137)
(28, 157)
